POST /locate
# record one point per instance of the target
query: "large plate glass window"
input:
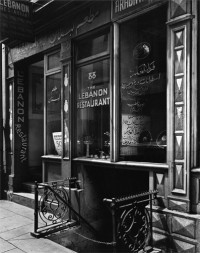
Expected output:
(93, 99)
(143, 88)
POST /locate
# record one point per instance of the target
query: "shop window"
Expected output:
(53, 108)
(54, 139)
(93, 102)
(143, 88)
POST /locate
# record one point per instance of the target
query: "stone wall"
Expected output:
(175, 231)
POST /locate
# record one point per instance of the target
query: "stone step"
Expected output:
(28, 187)
(24, 199)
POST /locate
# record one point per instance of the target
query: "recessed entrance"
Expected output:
(35, 121)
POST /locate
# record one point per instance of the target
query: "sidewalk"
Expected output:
(16, 223)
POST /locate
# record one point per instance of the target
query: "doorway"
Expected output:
(36, 121)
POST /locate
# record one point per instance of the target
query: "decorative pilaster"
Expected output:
(179, 71)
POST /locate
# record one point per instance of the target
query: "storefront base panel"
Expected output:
(94, 226)
(178, 204)
(54, 170)
(97, 183)
(175, 231)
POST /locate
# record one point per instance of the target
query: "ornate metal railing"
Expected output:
(132, 222)
(53, 208)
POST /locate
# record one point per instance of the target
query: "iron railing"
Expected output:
(132, 222)
(53, 209)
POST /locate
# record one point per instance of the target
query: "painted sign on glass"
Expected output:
(20, 109)
(143, 87)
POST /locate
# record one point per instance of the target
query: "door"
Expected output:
(36, 119)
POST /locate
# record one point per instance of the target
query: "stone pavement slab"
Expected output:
(29, 244)
(5, 246)
(5, 213)
(13, 233)
(15, 251)
(13, 222)
(16, 223)
(17, 209)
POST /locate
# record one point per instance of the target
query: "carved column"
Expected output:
(179, 101)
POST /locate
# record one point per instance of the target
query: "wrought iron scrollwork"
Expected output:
(52, 209)
(134, 228)
(53, 206)
(131, 221)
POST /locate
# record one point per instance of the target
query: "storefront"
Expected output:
(108, 93)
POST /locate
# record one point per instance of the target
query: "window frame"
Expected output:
(117, 69)
(115, 102)
(96, 56)
(84, 62)
(48, 73)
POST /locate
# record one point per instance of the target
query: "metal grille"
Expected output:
(53, 207)
(131, 221)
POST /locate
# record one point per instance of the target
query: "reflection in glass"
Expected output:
(93, 110)
(143, 88)
(54, 136)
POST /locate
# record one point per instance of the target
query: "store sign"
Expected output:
(93, 97)
(15, 20)
(20, 118)
(95, 85)
(133, 127)
(122, 7)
